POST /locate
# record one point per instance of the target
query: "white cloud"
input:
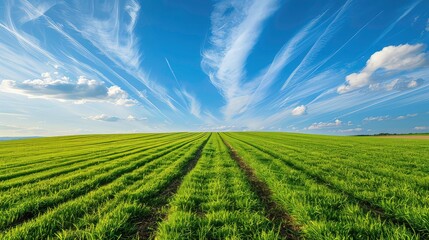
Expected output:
(107, 118)
(321, 41)
(119, 96)
(398, 84)
(113, 36)
(33, 12)
(377, 118)
(104, 117)
(389, 28)
(235, 29)
(406, 116)
(421, 128)
(194, 106)
(224, 128)
(132, 118)
(427, 26)
(110, 29)
(387, 117)
(389, 59)
(61, 88)
(298, 111)
(412, 84)
(321, 125)
(350, 130)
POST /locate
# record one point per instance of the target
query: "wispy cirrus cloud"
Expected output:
(190, 102)
(394, 23)
(111, 34)
(289, 51)
(235, 29)
(312, 37)
(112, 31)
(32, 13)
(226, 69)
(319, 44)
(193, 105)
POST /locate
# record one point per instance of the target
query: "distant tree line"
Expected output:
(388, 134)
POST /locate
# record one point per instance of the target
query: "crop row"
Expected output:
(215, 201)
(69, 204)
(40, 196)
(46, 153)
(214, 186)
(321, 211)
(53, 169)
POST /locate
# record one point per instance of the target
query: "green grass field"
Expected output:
(214, 186)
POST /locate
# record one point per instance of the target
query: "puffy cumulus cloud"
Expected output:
(300, 110)
(400, 57)
(119, 96)
(421, 128)
(62, 88)
(390, 58)
(321, 125)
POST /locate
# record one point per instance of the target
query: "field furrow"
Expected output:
(243, 185)
(110, 219)
(322, 212)
(114, 155)
(68, 145)
(288, 228)
(403, 202)
(215, 201)
(67, 156)
(61, 216)
(40, 199)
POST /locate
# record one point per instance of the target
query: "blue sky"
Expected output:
(328, 67)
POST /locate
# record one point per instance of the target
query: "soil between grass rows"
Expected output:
(147, 225)
(288, 228)
(228, 185)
